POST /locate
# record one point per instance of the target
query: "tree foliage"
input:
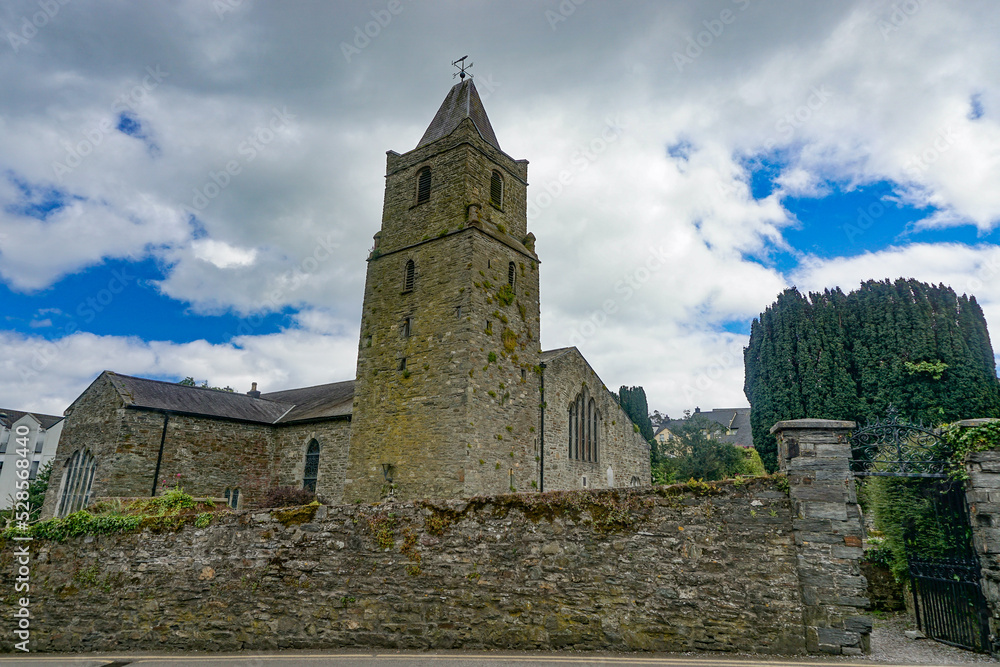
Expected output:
(914, 519)
(695, 452)
(919, 347)
(633, 402)
(190, 382)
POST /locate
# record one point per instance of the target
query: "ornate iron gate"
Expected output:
(947, 594)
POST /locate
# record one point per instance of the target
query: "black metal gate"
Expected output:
(947, 595)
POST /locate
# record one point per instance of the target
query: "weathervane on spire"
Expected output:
(461, 68)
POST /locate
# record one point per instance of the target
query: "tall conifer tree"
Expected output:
(920, 348)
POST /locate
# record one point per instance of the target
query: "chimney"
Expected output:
(253, 391)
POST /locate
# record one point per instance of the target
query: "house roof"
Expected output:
(157, 395)
(320, 402)
(461, 102)
(735, 420)
(281, 407)
(47, 421)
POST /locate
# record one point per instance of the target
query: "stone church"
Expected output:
(452, 398)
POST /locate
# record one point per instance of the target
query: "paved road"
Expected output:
(410, 659)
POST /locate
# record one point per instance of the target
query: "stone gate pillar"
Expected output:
(815, 455)
(982, 494)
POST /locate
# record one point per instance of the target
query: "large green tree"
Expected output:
(918, 347)
(633, 402)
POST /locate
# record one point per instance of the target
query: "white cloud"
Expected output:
(222, 255)
(290, 200)
(47, 376)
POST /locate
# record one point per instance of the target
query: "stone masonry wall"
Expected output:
(664, 570)
(208, 454)
(93, 422)
(620, 448)
(982, 494)
(334, 438)
(461, 418)
(815, 454)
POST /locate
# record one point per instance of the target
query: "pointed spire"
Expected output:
(462, 102)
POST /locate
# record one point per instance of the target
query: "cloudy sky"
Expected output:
(191, 188)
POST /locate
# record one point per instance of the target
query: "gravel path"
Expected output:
(889, 644)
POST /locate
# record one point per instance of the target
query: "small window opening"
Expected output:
(406, 328)
(33, 471)
(585, 481)
(233, 497)
(511, 271)
(311, 473)
(408, 275)
(458, 311)
(402, 364)
(524, 374)
(496, 189)
(368, 341)
(424, 185)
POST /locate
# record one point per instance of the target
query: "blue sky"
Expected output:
(191, 189)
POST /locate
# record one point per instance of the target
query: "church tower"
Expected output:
(447, 400)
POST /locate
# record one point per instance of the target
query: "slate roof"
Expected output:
(735, 419)
(157, 395)
(47, 421)
(320, 402)
(281, 407)
(461, 102)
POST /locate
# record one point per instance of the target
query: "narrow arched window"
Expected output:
(592, 445)
(424, 185)
(584, 424)
(571, 429)
(233, 497)
(511, 274)
(77, 482)
(312, 467)
(408, 275)
(496, 189)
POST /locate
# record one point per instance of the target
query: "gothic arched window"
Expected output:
(233, 497)
(496, 189)
(424, 185)
(77, 481)
(408, 275)
(312, 467)
(584, 424)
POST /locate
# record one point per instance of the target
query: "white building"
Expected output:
(30, 436)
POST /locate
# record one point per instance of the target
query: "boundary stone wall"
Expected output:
(982, 494)
(709, 567)
(816, 454)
